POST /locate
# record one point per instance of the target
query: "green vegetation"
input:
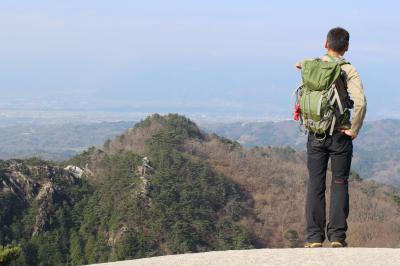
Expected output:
(8, 254)
(180, 126)
(53, 215)
(397, 199)
(229, 143)
(183, 211)
(354, 176)
(187, 207)
(292, 236)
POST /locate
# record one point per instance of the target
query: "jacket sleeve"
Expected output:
(356, 91)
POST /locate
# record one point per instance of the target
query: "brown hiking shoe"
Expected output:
(313, 245)
(338, 244)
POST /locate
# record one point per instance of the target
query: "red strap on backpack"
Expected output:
(296, 113)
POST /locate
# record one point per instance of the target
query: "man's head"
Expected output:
(337, 40)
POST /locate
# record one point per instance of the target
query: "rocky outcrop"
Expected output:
(36, 186)
(45, 200)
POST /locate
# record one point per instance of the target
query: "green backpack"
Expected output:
(322, 98)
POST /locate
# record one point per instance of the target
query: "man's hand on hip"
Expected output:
(348, 132)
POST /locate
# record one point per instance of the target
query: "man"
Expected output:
(338, 147)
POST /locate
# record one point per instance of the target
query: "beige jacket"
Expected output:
(356, 92)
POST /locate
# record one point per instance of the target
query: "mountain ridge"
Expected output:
(376, 149)
(204, 192)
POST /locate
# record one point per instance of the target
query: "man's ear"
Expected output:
(326, 44)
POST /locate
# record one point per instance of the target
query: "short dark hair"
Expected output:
(338, 39)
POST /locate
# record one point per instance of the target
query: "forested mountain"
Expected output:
(376, 150)
(166, 187)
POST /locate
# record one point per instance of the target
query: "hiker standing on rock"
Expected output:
(330, 88)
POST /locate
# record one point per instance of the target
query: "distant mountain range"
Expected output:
(376, 156)
(165, 187)
(376, 150)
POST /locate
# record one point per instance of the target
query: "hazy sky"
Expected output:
(206, 56)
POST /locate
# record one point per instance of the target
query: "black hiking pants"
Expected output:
(338, 147)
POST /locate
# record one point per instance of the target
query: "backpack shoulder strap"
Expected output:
(341, 61)
(341, 84)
